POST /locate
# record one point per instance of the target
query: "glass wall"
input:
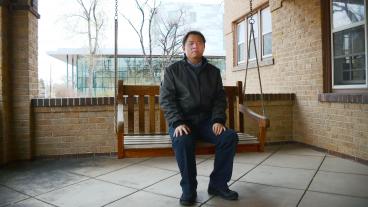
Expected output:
(130, 69)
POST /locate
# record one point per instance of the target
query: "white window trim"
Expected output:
(364, 22)
(262, 48)
(259, 38)
(256, 28)
(263, 33)
(238, 43)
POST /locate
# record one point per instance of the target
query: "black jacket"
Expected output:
(189, 95)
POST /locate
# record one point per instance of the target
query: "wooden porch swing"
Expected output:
(149, 137)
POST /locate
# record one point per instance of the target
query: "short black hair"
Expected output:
(193, 32)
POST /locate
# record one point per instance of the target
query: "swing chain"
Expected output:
(251, 20)
(116, 9)
(252, 39)
(116, 67)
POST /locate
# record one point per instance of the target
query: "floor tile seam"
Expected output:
(148, 166)
(11, 203)
(257, 165)
(247, 163)
(136, 189)
(161, 168)
(300, 155)
(245, 173)
(297, 168)
(160, 181)
(310, 182)
(79, 174)
(35, 196)
(161, 194)
(29, 197)
(338, 194)
(51, 204)
(120, 198)
(276, 186)
(347, 173)
(118, 184)
(204, 160)
(122, 185)
(11, 188)
(156, 193)
(206, 201)
(128, 165)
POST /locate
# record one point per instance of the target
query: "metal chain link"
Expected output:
(116, 68)
(116, 9)
(251, 20)
(252, 38)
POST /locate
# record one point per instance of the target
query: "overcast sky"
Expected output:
(56, 31)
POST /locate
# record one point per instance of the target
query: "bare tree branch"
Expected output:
(93, 24)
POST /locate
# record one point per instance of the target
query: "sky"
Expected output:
(56, 31)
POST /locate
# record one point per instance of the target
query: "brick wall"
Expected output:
(23, 79)
(5, 151)
(297, 68)
(1, 88)
(74, 130)
(280, 114)
(86, 125)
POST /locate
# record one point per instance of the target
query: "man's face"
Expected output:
(194, 47)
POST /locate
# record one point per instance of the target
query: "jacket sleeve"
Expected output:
(219, 105)
(168, 102)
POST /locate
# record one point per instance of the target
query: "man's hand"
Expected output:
(181, 130)
(218, 128)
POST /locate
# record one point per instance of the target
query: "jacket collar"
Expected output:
(204, 62)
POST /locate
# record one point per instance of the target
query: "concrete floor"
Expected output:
(287, 175)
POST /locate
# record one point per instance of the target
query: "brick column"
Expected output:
(19, 77)
(5, 129)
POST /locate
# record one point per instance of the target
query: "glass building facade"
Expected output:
(130, 69)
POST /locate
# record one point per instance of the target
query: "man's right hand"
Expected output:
(181, 130)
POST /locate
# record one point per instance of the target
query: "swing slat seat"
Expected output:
(153, 140)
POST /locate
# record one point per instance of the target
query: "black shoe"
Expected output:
(186, 200)
(226, 194)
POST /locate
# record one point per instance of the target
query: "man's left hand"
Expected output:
(218, 128)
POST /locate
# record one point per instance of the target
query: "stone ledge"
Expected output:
(359, 98)
(60, 102)
(99, 101)
(270, 97)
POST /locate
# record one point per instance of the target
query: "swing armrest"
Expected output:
(262, 121)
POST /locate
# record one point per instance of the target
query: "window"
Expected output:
(266, 32)
(241, 42)
(262, 35)
(348, 44)
(252, 52)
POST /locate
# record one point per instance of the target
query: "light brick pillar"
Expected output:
(19, 77)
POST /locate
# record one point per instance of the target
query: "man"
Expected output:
(194, 103)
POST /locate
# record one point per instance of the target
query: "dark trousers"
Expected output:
(184, 148)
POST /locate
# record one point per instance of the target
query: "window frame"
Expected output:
(263, 59)
(262, 34)
(258, 23)
(342, 28)
(237, 43)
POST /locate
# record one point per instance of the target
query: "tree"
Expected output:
(145, 8)
(90, 24)
(169, 34)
